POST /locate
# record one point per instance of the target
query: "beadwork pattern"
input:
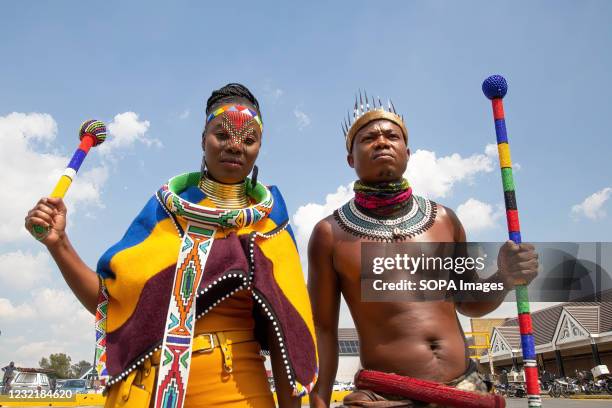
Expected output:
(101, 315)
(495, 88)
(238, 109)
(91, 133)
(419, 218)
(202, 224)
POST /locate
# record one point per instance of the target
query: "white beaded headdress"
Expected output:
(364, 114)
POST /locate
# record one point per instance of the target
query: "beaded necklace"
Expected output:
(383, 199)
(225, 195)
(386, 212)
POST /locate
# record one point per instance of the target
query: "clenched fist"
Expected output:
(517, 264)
(48, 213)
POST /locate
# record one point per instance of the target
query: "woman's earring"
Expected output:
(254, 176)
(203, 167)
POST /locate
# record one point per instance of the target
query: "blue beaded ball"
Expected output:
(495, 86)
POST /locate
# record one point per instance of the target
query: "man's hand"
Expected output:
(517, 264)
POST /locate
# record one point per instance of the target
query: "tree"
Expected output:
(59, 362)
(80, 368)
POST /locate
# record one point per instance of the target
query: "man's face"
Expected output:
(231, 143)
(379, 152)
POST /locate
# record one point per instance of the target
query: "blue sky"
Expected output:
(148, 67)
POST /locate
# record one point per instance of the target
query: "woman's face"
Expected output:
(231, 143)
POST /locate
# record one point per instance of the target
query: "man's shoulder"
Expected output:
(322, 237)
(324, 227)
(330, 228)
(445, 216)
(335, 222)
(443, 212)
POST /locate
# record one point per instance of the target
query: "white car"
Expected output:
(27, 380)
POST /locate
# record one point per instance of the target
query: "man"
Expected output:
(422, 340)
(9, 371)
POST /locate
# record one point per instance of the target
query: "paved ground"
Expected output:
(561, 403)
(558, 402)
(522, 403)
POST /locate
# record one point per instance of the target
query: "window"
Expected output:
(27, 378)
(74, 383)
(349, 347)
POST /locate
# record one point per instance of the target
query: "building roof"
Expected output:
(596, 317)
(348, 334)
(512, 335)
(587, 316)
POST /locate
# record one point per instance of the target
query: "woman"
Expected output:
(205, 278)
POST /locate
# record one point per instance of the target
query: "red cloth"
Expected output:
(426, 391)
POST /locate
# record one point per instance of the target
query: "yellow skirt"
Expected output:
(209, 384)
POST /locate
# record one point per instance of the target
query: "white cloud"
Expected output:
(306, 217)
(12, 313)
(27, 173)
(592, 206)
(29, 354)
(125, 131)
(28, 126)
(272, 92)
(477, 216)
(68, 315)
(23, 271)
(184, 114)
(435, 177)
(276, 93)
(491, 150)
(303, 120)
(48, 314)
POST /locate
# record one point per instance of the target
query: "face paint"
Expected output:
(237, 125)
(236, 121)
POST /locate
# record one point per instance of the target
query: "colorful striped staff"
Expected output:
(91, 133)
(495, 88)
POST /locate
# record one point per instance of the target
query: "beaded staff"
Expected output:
(495, 88)
(91, 133)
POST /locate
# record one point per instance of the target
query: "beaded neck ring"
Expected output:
(225, 195)
(383, 199)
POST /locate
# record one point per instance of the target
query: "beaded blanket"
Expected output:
(138, 276)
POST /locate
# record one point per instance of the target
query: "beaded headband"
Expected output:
(362, 115)
(236, 108)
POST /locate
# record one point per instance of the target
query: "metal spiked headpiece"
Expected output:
(364, 114)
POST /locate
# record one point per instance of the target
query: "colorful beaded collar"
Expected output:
(218, 217)
(419, 218)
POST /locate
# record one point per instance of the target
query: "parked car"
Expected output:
(77, 386)
(30, 380)
(338, 386)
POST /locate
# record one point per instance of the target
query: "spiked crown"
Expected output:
(364, 114)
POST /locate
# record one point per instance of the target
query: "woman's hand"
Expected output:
(48, 213)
